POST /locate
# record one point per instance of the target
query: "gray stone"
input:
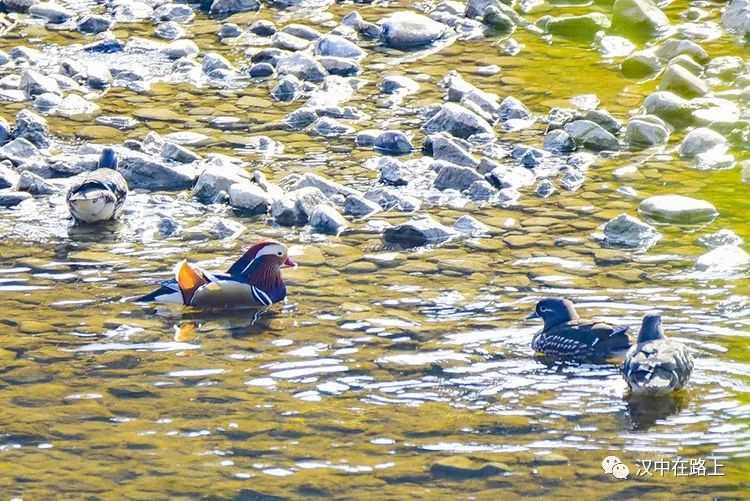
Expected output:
(359, 206)
(144, 172)
(229, 30)
(398, 84)
(641, 64)
(34, 83)
(477, 8)
(300, 118)
(603, 118)
(720, 238)
(93, 24)
(8, 176)
(181, 48)
(18, 151)
(262, 70)
(458, 121)
(736, 17)
(288, 89)
(286, 41)
(213, 61)
(558, 140)
(393, 142)
(391, 198)
(4, 131)
(328, 127)
(670, 107)
(263, 28)
(326, 186)
(9, 198)
(455, 177)
(174, 12)
(675, 47)
(646, 131)
(471, 226)
(249, 197)
(591, 135)
(173, 31)
(544, 188)
(725, 258)
(511, 176)
(51, 11)
(511, 108)
(296, 207)
(98, 76)
(408, 30)
(678, 209)
(392, 172)
(702, 140)
(302, 66)
(36, 185)
(418, 232)
(629, 232)
(688, 63)
(445, 147)
(32, 127)
(216, 177)
(177, 153)
(340, 66)
(481, 191)
(326, 219)
(638, 18)
(681, 81)
(301, 31)
(338, 46)
(499, 20)
(229, 7)
(366, 138)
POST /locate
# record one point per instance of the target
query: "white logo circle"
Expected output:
(609, 462)
(620, 471)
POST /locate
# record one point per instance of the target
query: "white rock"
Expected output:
(678, 209)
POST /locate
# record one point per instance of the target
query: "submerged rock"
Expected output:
(702, 140)
(629, 232)
(724, 258)
(678, 209)
(408, 30)
(720, 238)
(582, 27)
(418, 232)
(469, 225)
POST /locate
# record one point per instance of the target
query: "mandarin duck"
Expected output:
(567, 336)
(98, 195)
(254, 280)
(656, 365)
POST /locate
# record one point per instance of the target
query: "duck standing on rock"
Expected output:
(254, 281)
(656, 365)
(100, 194)
(567, 336)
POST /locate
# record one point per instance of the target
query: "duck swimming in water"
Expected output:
(98, 195)
(656, 365)
(253, 281)
(567, 336)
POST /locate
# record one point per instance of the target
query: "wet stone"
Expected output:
(678, 209)
(458, 467)
(630, 232)
(418, 232)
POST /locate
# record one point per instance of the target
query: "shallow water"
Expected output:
(383, 362)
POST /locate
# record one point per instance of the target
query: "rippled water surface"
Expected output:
(383, 362)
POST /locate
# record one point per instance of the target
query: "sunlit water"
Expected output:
(383, 362)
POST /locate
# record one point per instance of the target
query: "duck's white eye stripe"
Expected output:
(261, 296)
(545, 310)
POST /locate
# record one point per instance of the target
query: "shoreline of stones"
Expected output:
(462, 161)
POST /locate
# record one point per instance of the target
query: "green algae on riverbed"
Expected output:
(393, 374)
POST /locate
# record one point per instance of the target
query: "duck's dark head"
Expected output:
(554, 311)
(108, 159)
(651, 329)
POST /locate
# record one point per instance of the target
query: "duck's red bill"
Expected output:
(289, 263)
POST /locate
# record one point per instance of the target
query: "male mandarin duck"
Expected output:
(100, 194)
(656, 365)
(253, 281)
(567, 336)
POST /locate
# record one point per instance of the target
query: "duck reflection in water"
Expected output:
(645, 411)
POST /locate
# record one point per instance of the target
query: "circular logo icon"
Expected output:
(609, 462)
(620, 471)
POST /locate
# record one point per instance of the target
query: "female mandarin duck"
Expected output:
(98, 195)
(656, 365)
(253, 281)
(567, 336)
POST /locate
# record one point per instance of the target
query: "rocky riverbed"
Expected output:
(435, 168)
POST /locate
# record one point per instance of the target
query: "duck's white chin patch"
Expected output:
(91, 208)
(174, 298)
